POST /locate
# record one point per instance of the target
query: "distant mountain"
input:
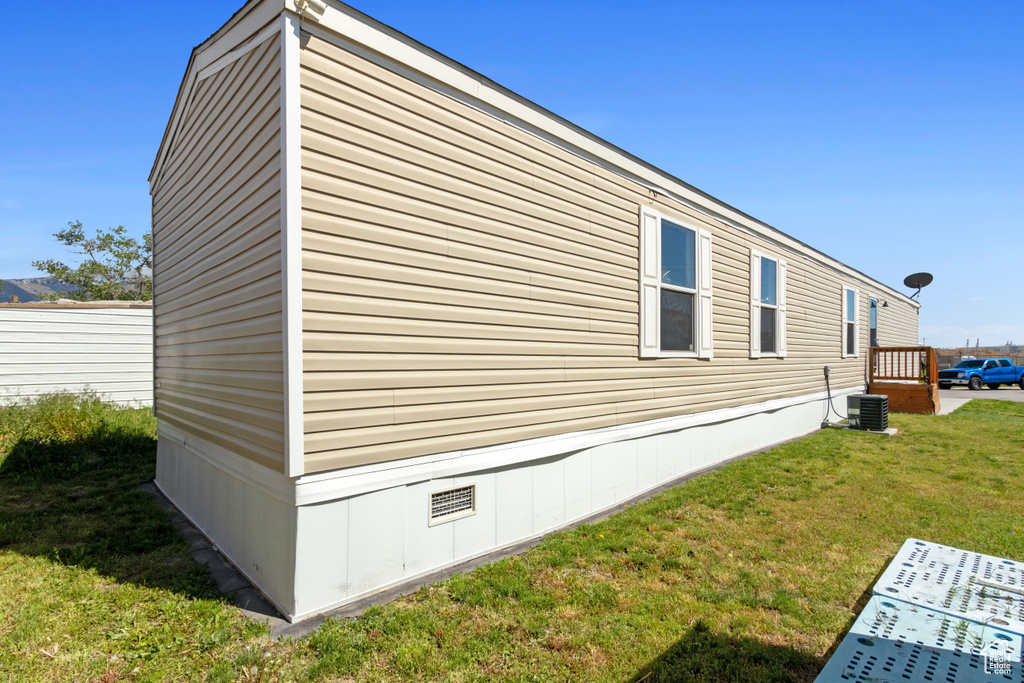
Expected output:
(31, 288)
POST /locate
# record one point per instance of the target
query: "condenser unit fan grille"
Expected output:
(868, 412)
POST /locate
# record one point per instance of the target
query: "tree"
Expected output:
(115, 267)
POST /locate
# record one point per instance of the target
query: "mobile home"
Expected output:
(405, 317)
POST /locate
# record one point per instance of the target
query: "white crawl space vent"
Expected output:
(452, 504)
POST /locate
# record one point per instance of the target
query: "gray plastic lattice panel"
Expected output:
(897, 641)
(981, 588)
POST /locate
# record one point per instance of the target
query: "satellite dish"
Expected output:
(917, 281)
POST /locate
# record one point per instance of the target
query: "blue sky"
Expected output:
(886, 134)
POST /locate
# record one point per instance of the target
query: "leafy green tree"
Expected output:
(116, 267)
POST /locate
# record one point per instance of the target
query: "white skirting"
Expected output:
(309, 557)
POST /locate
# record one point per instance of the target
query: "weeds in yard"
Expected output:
(95, 583)
(69, 485)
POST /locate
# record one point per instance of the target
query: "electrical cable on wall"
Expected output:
(828, 391)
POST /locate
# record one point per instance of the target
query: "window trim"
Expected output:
(651, 286)
(781, 305)
(855, 321)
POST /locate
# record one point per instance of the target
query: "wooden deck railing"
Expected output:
(903, 363)
(909, 375)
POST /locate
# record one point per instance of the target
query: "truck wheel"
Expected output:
(993, 386)
(1021, 383)
(974, 384)
(947, 385)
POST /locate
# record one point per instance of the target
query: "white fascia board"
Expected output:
(342, 21)
(348, 23)
(338, 484)
(269, 31)
(291, 244)
(327, 486)
(238, 31)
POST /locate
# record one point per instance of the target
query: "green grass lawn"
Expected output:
(751, 573)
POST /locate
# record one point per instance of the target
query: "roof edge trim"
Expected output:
(243, 25)
(352, 25)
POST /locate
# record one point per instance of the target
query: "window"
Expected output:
(675, 288)
(1003, 363)
(767, 306)
(678, 286)
(851, 326)
(873, 322)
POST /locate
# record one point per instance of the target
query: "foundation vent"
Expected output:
(452, 504)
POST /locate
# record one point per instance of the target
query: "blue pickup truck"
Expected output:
(989, 372)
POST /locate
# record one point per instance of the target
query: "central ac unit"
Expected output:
(868, 412)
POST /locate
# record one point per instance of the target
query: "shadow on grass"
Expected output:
(703, 656)
(69, 491)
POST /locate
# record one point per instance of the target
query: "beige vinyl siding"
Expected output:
(217, 274)
(897, 323)
(468, 284)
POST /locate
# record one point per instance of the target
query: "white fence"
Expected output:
(105, 348)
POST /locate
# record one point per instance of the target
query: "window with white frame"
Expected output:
(767, 305)
(675, 288)
(872, 321)
(851, 322)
